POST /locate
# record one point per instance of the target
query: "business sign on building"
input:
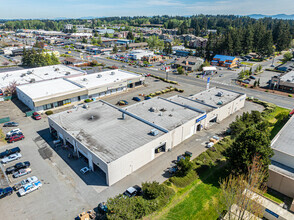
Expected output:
(201, 118)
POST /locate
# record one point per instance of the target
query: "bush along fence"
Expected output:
(168, 89)
(164, 80)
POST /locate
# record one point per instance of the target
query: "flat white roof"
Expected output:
(208, 68)
(103, 78)
(26, 76)
(48, 88)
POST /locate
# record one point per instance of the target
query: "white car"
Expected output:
(14, 131)
(22, 172)
(210, 144)
(11, 157)
(19, 185)
(30, 187)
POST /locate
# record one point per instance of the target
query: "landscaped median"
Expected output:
(167, 90)
(164, 80)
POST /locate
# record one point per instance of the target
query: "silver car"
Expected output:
(10, 158)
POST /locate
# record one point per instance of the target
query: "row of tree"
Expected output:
(33, 58)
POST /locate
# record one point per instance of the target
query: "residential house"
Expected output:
(190, 63)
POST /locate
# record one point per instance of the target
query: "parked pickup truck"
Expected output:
(5, 192)
(9, 152)
(29, 180)
(30, 187)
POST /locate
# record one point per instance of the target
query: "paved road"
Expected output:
(279, 100)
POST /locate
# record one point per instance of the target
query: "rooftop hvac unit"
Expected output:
(84, 79)
(154, 132)
(32, 80)
(22, 75)
(56, 69)
(220, 94)
(67, 73)
(220, 103)
(29, 72)
(99, 76)
(112, 73)
(153, 109)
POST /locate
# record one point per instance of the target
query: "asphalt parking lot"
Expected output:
(65, 191)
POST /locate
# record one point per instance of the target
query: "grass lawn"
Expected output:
(277, 125)
(200, 201)
(247, 63)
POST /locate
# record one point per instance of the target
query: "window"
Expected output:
(67, 101)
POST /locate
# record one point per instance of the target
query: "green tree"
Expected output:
(250, 143)
(106, 35)
(115, 49)
(151, 190)
(130, 36)
(84, 40)
(95, 34)
(74, 29)
(287, 56)
(180, 70)
(99, 41)
(184, 166)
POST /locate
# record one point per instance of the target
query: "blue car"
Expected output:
(147, 98)
(137, 99)
(6, 192)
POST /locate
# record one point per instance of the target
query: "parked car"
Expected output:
(5, 192)
(16, 137)
(16, 130)
(133, 191)
(9, 152)
(147, 97)
(10, 158)
(13, 132)
(17, 167)
(137, 99)
(36, 116)
(19, 185)
(22, 172)
(10, 124)
(28, 188)
(252, 77)
(122, 102)
(210, 144)
(246, 81)
(102, 207)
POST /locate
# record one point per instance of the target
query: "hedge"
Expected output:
(185, 180)
(49, 112)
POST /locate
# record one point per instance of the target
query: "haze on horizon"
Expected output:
(34, 9)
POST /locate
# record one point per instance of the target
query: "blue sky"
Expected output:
(11, 9)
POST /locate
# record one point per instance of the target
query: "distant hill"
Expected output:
(278, 16)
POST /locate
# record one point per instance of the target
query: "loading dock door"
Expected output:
(160, 148)
(199, 127)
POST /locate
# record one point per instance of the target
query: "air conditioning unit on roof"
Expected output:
(154, 132)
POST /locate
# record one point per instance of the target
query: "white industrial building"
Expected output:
(281, 170)
(120, 141)
(139, 54)
(55, 93)
(33, 75)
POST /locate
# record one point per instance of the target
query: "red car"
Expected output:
(16, 137)
(36, 116)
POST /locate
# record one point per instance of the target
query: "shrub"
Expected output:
(49, 112)
(158, 92)
(290, 95)
(266, 90)
(180, 90)
(185, 180)
(151, 190)
(88, 100)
